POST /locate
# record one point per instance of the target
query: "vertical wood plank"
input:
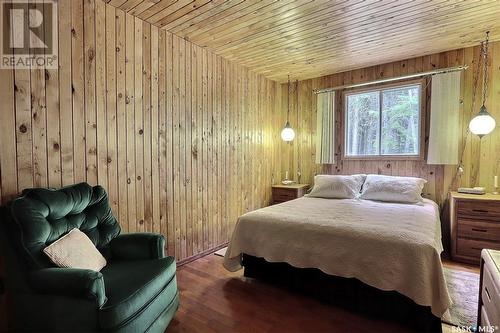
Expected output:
(24, 127)
(219, 144)
(155, 149)
(101, 95)
(78, 61)
(8, 163)
(162, 140)
(194, 150)
(90, 91)
(200, 147)
(139, 125)
(65, 99)
(52, 99)
(39, 121)
(147, 128)
(182, 142)
(205, 168)
(111, 158)
(121, 117)
(210, 146)
(188, 237)
(169, 110)
(130, 120)
(177, 186)
(224, 138)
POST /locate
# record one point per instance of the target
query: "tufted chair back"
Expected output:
(41, 216)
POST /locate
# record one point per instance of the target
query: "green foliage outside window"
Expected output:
(383, 122)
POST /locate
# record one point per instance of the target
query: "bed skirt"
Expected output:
(348, 293)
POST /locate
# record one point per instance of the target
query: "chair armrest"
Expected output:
(69, 282)
(138, 246)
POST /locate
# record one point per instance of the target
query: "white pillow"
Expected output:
(75, 250)
(336, 186)
(393, 189)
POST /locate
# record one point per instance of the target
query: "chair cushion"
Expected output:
(42, 216)
(131, 286)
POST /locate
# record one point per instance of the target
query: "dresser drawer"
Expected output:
(285, 191)
(478, 229)
(479, 209)
(472, 247)
(491, 298)
(284, 194)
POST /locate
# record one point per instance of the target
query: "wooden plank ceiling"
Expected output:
(312, 38)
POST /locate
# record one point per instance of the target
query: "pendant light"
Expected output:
(288, 134)
(483, 123)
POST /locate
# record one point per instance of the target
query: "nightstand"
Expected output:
(475, 225)
(489, 291)
(282, 193)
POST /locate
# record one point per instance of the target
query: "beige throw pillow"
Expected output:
(75, 250)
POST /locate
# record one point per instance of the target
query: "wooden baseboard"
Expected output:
(201, 254)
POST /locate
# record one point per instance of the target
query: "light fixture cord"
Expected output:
(288, 101)
(297, 96)
(485, 66)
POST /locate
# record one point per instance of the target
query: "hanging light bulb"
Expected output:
(483, 123)
(287, 133)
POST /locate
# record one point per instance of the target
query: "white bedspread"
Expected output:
(389, 246)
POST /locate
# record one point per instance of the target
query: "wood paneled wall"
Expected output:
(183, 140)
(481, 159)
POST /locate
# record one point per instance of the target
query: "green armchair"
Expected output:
(135, 292)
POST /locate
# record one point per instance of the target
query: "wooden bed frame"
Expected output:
(348, 293)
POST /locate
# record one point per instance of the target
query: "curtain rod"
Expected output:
(397, 78)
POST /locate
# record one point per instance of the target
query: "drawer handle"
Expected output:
(480, 210)
(487, 293)
(479, 230)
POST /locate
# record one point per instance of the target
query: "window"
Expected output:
(383, 122)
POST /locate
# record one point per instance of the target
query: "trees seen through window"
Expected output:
(383, 122)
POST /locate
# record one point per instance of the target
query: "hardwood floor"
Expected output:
(215, 300)
(461, 266)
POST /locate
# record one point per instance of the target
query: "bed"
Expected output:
(391, 247)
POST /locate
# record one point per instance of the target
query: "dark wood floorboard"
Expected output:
(215, 300)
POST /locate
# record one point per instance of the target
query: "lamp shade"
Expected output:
(483, 123)
(288, 134)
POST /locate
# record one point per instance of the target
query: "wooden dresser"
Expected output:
(475, 225)
(489, 292)
(282, 193)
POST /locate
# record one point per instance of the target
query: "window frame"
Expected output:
(380, 87)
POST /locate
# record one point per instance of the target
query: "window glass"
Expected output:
(383, 122)
(363, 118)
(400, 121)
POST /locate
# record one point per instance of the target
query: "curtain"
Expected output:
(444, 124)
(325, 128)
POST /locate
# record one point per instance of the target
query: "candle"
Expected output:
(286, 175)
(496, 181)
